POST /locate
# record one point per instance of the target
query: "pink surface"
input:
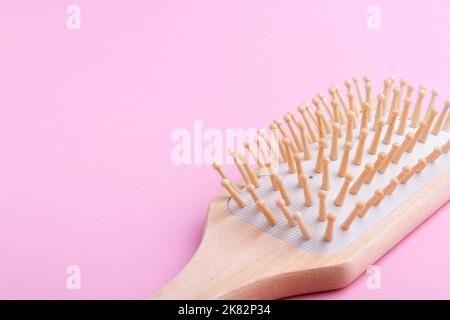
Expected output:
(86, 118)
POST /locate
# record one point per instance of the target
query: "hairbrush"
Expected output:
(325, 192)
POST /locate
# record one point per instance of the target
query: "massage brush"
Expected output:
(325, 192)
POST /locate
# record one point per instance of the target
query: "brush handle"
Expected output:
(204, 277)
(248, 275)
(237, 260)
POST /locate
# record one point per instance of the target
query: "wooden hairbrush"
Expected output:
(335, 185)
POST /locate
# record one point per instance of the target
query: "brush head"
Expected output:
(315, 223)
(389, 162)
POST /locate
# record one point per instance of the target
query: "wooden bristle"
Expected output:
(322, 205)
(360, 180)
(223, 175)
(404, 117)
(306, 192)
(233, 193)
(266, 212)
(328, 237)
(420, 165)
(350, 126)
(323, 126)
(253, 154)
(360, 149)
(429, 122)
(405, 176)
(270, 147)
(377, 195)
(334, 152)
(261, 149)
(250, 173)
(322, 99)
(434, 154)
(310, 113)
(320, 155)
(250, 188)
(395, 100)
(415, 169)
(294, 135)
(240, 167)
(352, 216)
(434, 94)
(364, 117)
(283, 132)
(410, 90)
(390, 130)
(394, 148)
(417, 112)
(403, 84)
(406, 141)
(306, 148)
(219, 170)
(282, 190)
(376, 138)
(321, 132)
(316, 102)
(288, 146)
(387, 190)
(358, 90)
(311, 131)
(440, 121)
(378, 111)
(303, 229)
(336, 114)
(341, 99)
(269, 168)
(276, 133)
(345, 159)
(416, 137)
(405, 171)
(348, 85)
(281, 204)
(387, 94)
(339, 201)
(381, 157)
(351, 103)
(342, 110)
(299, 167)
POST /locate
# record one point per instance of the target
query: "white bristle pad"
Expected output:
(342, 239)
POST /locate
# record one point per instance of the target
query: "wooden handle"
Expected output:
(220, 271)
(237, 260)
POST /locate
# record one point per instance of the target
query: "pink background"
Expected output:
(86, 118)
